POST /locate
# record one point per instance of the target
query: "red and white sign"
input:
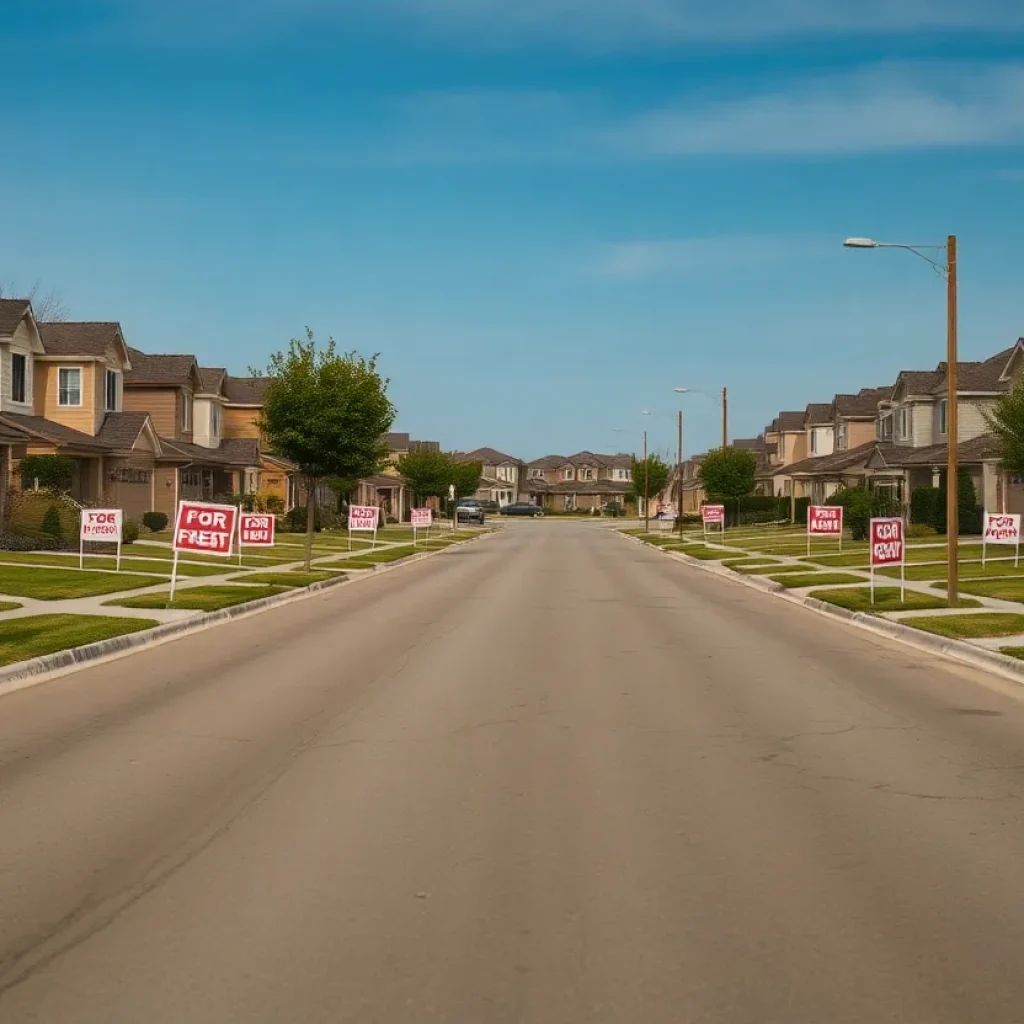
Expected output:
(256, 530)
(102, 524)
(1001, 528)
(363, 517)
(713, 514)
(886, 542)
(207, 528)
(826, 519)
(422, 518)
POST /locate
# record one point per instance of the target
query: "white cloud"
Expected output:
(926, 106)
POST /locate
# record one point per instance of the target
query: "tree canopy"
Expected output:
(656, 471)
(728, 473)
(1006, 421)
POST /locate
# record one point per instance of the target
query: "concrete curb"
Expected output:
(37, 670)
(955, 650)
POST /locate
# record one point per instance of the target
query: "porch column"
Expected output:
(936, 477)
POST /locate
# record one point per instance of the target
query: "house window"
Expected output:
(215, 419)
(113, 390)
(814, 442)
(885, 427)
(186, 411)
(841, 437)
(536, 474)
(19, 377)
(943, 411)
(905, 424)
(69, 386)
(566, 474)
(586, 474)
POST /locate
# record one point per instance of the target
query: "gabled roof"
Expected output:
(245, 390)
(753, 444)
(12, 312)
(90, 338)
(548, 462)
(834, 463)
(121, 430)
(819, 414)
(160, 369)
(53, 433)
(791, 422)
(920, 382)
(232, 451)
(488, 456)
(986, 376)
(863, 405)
(212, 378)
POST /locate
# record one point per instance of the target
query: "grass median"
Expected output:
(61, 584)
(887, 599)
(108, 562)
(796, 580)
(970, 626)
(200, 599)
(36, 635)
(285, 579)
(1002, 590)
(968, 570)
(751, 563)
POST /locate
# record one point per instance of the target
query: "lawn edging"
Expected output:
(956, 650)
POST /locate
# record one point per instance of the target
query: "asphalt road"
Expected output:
(549, 777)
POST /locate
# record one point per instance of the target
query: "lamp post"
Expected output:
(948, 271)
(722, 400)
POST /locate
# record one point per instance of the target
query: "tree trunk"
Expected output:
(310, 518)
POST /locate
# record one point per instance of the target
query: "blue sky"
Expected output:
(544, 214)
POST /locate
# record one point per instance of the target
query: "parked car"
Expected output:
(491, 508)
(522, 508)
(469, 510)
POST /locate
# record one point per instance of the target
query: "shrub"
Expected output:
(130, 531)
(54, 472)
(275, 504)
(154, 521)
(51, 523)
(924, 502)
(857, 509)
(19, 542)
(392, 520)
(296, 520)
(920, 530)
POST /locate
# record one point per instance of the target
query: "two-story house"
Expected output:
(791, 447)
(501, 475)
(582, 481)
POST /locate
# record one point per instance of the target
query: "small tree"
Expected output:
(465, 476)
(326, 412)
(427, 473)
(728, 473)
(1006, 421)
(655, 471)
(53, 472)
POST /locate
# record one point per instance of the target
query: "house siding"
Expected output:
(240, 422)
(922, 434)
(22, 344)
(47, 386)
(972, 421)
(160, 403)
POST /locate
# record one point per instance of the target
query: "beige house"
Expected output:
(502, 475)
(568, 483)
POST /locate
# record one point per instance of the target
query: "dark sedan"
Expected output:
(522, 508)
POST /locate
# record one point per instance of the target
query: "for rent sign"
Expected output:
(825, 519)
(887, 539)
(206, 528)
(713, 514)
(363, 517)
(100, 526)
(255, 530)
(1001, 528)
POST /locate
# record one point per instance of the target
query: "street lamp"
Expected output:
(723, 401)
(948, 271)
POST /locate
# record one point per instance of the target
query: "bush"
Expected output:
(275, 504)
(51, 523)
(857, 509)
(924, 505)
(154, 521)
(54, 472)
(296, 520)
(19, 542)
(969, 512)
(129, 532)
(917, 530)
(392, 520)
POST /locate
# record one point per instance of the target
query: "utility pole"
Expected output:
(952, 426)
(679, 470)
(725, 418)
(647, 504)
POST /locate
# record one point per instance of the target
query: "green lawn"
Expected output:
(795, 580)
(35, 635)
(768, 570)
(968, 570)
(980, 624)
(706, 554)
(157, 565)
(1004, 590)
(379, 557)
(297, 578)
(9, 606)
(202, 599)
(749, 563)
(274, 557)
(1013, 652)
(887, 599)
(58, 584)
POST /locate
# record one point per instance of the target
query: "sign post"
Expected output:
(101, 526)
(713, 515)
(1001, 528)
(255, 530)
(362, 518)
(827, 520)
(422, 518)
(202, 527)
(454, 507)
(888, 548)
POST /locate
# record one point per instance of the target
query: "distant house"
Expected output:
(581, 481)
(501, 478)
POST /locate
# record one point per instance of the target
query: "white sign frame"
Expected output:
(903, 553)
(984, 535)
(118, 514)
(364, 529)
(823, 533)
(417, 526)
(226, 555)
(720, 523)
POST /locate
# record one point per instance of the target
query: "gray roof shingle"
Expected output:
(54, 433)
(212, 378)
(121, 430)
(791, 422)
(233, 451)
(11, 313)
(818, 414)
(863, 405)
(159, 369)
(79, 338)
(488, 456)
(245, 390)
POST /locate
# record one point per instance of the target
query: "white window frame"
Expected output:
(814, 442)
(114, 375)
(61, 370)
(24, 400)
(536, 474)
(943, 416)
(841, 437)
(905, 430)
(215, 419)
(586, 474)
(186, 411)
(568, 474)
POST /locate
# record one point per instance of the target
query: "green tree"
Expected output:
(466, 477)
(1006, 421)
(53, 472)
(427, 473)
(728, 473)
(327, 412)
(656, 473)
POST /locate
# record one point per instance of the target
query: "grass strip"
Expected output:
(796, 580)
(59, 584)
(887, 599)
(36, 635)
(200, 599)
(969, 626)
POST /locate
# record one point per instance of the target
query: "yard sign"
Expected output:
(422, 519)
(101, 526)
(712, 515)
(255, 530)
(888, 547)
(825, 520)
(362, 518)
(205, 528)
(1001, 528)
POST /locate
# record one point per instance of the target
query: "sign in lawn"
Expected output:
(200, 527)
(712, 515)
(255, 530)
(888, 547)
(422, 519)
(362, 518)
(1001, 528)
(101, 526)
(824, 520)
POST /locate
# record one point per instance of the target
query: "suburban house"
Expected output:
(502, 475)
(388, 490)
(791, 448)
(581, 481)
